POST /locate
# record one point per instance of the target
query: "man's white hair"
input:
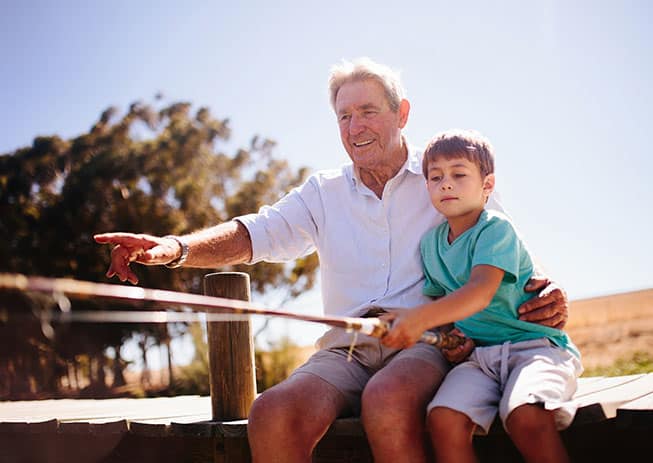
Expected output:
(365, 69)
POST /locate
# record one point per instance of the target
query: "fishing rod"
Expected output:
(58, 287)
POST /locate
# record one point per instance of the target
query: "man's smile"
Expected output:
(362, 143)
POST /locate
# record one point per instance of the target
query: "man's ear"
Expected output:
(488, 184)
(404, 109)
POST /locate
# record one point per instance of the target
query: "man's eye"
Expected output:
(344, 117)
(370, 113)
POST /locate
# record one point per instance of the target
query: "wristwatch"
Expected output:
(179, 261)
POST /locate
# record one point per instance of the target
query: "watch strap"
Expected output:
(179, 261)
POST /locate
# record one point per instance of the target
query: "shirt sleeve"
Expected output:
(498, 245)
(285, 230)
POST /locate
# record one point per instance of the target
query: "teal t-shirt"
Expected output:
(492, 241)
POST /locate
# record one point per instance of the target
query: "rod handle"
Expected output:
(442, 340)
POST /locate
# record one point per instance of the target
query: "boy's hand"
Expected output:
(460, 353)
(406, 328)
(549, 307)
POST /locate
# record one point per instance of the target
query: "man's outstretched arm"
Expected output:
(226, 244)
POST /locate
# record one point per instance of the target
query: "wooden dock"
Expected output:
(614, 422)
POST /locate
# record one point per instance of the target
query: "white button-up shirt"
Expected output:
(368, 247)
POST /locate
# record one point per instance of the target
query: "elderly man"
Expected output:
(365, 220)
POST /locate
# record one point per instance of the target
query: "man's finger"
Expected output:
(545, 299)
(548, 315)
(115, 237)
(120, 259)
(537, 312)
(536, 283)
(129, 240)
(132, 278)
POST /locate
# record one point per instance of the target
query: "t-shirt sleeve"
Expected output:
(498, 245)
(429, 260)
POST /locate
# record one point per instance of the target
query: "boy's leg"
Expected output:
(541, 374)
(535, 404)
(451, 434)
(466, 402)
(533, 431)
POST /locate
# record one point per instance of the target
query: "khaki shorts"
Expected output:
(349, 372)
(504, 377)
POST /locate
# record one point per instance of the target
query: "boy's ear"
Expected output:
(488, 184)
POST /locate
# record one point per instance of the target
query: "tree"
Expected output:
(158, 171)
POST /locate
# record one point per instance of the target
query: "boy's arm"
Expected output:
(472, 297)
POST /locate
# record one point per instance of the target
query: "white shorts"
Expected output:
(504, 377)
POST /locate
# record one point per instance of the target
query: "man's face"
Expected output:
(370, 131)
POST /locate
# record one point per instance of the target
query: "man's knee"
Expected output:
(301, 405)
(383, 397)
(271, 410)
(402, 388)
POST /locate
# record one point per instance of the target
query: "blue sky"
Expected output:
(562, 88)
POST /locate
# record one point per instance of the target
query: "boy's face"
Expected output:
(456, 186)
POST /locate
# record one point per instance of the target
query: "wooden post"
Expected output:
(231, 351)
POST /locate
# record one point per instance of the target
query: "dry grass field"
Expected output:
(612, 327)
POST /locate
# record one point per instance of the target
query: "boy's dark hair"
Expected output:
(467, 144)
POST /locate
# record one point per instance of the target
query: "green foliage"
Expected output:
(151, 170)
(640, 362)
(194, 378)
(276, 363)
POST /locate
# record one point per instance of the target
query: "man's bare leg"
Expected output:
(288, 420)
(394, 410)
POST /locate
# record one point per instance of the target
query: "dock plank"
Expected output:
(599, 384)
(182, 408)
(611, 393)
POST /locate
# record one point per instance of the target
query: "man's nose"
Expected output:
(356, 125)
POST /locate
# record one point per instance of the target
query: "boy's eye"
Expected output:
(436, 178)
(459, 175)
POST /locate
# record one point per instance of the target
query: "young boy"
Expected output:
(476, 265)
